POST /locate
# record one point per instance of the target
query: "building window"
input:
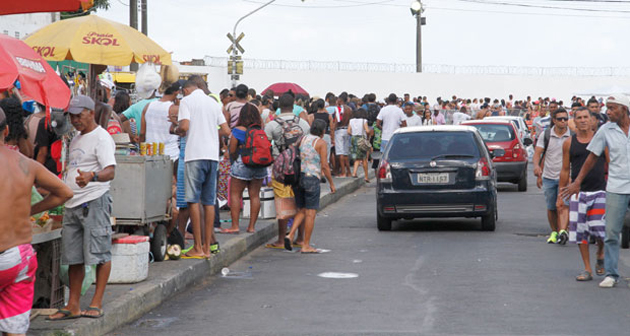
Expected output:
(17, 35)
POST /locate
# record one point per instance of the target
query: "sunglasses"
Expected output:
(562, 119)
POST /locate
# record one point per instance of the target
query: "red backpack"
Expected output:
(256, 150)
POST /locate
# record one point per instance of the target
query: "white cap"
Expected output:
(619, 99)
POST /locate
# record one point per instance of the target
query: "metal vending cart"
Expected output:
(141, 191)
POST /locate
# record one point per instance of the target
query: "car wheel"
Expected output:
(489, 221)
(383, 224)
(625, 237)
(522, 183)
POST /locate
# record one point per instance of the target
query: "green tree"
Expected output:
(98, 4)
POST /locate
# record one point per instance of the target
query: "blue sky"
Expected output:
(458, 32)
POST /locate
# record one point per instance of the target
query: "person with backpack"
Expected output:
(285, 130)
(313, 164)
(547, 166)
(246, 148)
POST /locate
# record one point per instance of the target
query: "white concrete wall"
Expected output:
(25, 24)
(426, 84)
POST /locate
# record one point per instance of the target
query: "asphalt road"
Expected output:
(427, 276)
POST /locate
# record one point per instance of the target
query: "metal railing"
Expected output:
(263, 64)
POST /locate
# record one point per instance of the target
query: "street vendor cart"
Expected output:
(141, 191)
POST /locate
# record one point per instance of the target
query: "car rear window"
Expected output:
(495, 132)
(427, 145)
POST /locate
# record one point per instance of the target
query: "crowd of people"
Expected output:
(580, 162)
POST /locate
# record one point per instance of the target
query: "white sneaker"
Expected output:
(608, 282)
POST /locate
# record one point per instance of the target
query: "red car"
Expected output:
(511, 167)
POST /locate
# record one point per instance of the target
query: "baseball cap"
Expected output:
(79, 103)
(620, 99)
(107, 83)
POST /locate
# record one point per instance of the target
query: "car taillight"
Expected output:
(516, 151)
(384, 172)
(483, 170)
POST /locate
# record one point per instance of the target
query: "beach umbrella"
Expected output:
(38, 80)
(43, 6)
(92, 39)
(280, 88)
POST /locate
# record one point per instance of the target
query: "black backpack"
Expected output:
(372, 113)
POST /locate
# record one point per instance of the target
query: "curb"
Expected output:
(146, 295)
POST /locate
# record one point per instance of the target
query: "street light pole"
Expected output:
(234, 51)
(416, 10)
(419, 42)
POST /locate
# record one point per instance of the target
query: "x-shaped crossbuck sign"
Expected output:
(235, 43)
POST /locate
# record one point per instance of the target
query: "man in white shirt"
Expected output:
(410, 118)
(199, 118)
(87, 230)
(389, 119)
(460, 116)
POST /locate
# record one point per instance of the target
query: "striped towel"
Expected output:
(181, 191)
(587, 216)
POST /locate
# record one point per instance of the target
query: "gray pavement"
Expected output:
(124, 303)
(430, 276)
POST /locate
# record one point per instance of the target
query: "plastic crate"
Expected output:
(49, 292)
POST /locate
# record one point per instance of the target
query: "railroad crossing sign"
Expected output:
(235, 43)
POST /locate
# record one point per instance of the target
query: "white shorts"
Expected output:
(342, 142)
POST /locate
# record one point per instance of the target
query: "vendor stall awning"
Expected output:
(124, 77)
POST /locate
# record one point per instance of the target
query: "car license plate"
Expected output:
(432, 178)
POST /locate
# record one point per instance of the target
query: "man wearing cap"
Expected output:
(614, 136)
(87, 232)
(18, 261)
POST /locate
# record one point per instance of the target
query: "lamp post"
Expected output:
(416, 10)
(234, 39)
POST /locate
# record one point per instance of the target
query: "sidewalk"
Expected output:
(124, 303)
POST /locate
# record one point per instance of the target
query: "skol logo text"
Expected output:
(100, 39)
(45, 51)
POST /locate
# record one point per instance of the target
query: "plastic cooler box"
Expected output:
(267, 204)
(130, 259)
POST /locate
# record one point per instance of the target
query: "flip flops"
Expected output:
(193, 257)
(229, 231)
(99, 310)
(287, 244)
(599, 267)
(584, 276)
(272, 246)
(67, 315)
(317, 251)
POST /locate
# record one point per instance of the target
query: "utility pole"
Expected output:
(416, 10)
(133, 22)
(145, 18)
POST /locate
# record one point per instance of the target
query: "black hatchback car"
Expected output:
(436, 171)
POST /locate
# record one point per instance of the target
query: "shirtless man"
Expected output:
(18, 261)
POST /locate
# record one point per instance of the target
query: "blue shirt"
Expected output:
(610, 135)
(297, 109)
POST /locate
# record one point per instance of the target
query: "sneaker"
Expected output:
(553, 238)
(563, 237)
(608, 282)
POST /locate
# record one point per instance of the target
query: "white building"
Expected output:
(22, 25)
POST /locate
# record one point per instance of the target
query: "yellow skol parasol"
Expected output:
(92, 39)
